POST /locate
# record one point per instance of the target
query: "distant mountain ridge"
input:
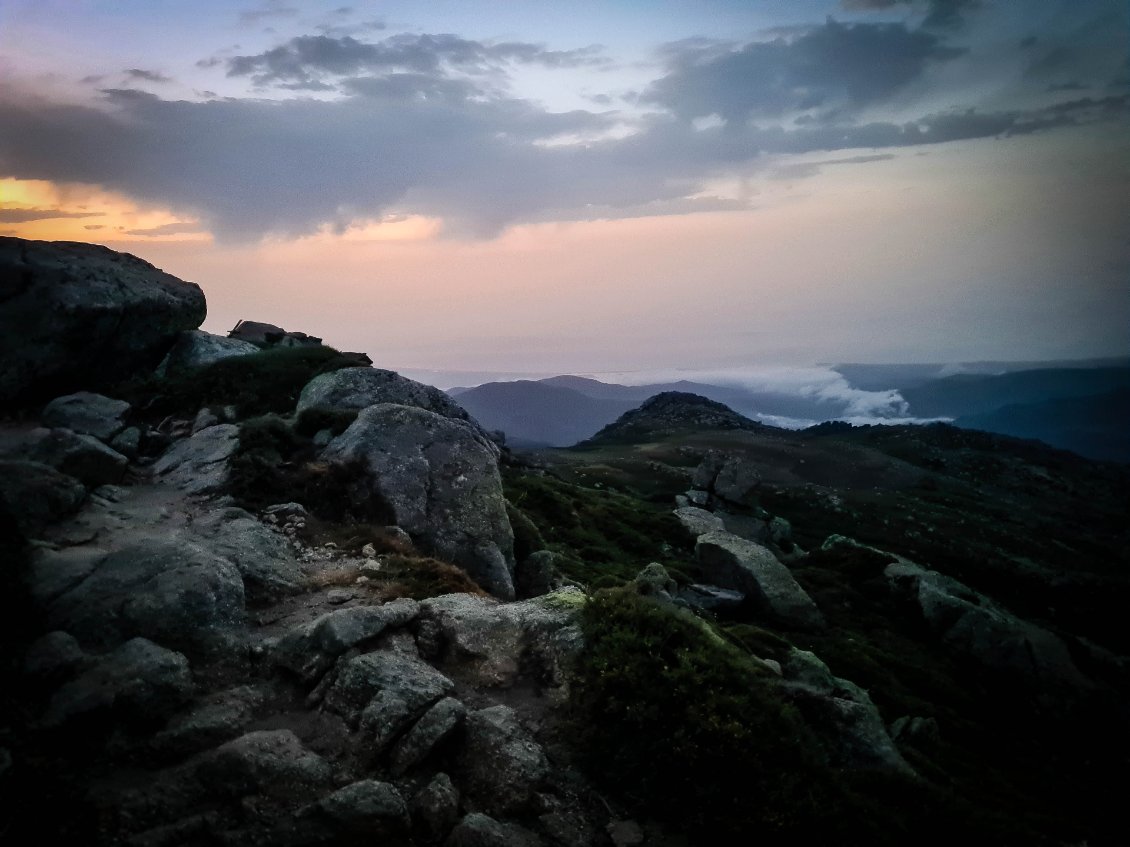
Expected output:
(533, 413)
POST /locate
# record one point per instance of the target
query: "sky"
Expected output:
(586, 187)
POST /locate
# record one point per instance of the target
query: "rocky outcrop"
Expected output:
(200, 464)
(500, 765)
(76, 316)
(35, 494)
(440, 479)
(139, 681)
(310, 650)
(975, 625)
(492, 644)
(359, 388)
(736, 563)
(842, 714)
(732, 479)
(87, 413)
(172, 593)
(81, 456)
(196, 348)
(265, 561)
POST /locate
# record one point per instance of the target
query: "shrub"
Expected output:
(663, 709)
(274, 464)
(268, 381)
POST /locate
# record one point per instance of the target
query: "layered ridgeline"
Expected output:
(258, 592)
(1079, 406)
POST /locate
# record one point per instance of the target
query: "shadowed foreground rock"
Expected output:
(75, 316)
(440, 477)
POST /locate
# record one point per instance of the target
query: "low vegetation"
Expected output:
(605, 538)
(255, 384)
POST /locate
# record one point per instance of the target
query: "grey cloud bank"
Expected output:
(424, 124)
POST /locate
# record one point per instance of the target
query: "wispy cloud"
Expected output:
(142, 75)
(19, 216)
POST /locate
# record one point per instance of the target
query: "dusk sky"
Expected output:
(596, 186)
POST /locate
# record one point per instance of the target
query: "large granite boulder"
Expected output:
(87, 413)
(139, 681)
(439, 477)
(491, 644)
(80, 315)
(736, 563)
(359, 388)
(196, 348)
(384, 693)
(35, 494)
(310, 649)
(501, 765)
(81, 456)
(200, 464)
(265, 560)
(842, 714)
(975, 625)
(168, 591)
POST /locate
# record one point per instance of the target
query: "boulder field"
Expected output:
(291, 619)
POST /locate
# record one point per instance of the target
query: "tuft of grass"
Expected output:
(418, 577)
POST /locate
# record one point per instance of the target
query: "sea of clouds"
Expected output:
(827, 393)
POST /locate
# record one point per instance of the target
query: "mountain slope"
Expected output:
(1097, 426)
(968, 394)
(536, 413)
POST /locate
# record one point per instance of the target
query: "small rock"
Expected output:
(429, 731)
(625, 833)
(54, 656)
(435, 808)
(369, 551)
(204, 419)
(478, 830)
(127, 442)
(337, 596)
(270, 762)
(366, 805)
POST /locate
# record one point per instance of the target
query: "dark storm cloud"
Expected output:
(19, 216)
(146, 76)
(314, 57)
(424, 124)
(247, 168)
(830, 66)
(940, 14)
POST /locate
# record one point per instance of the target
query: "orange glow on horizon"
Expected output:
(49, 211)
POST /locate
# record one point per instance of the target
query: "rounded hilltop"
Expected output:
(669, 412)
